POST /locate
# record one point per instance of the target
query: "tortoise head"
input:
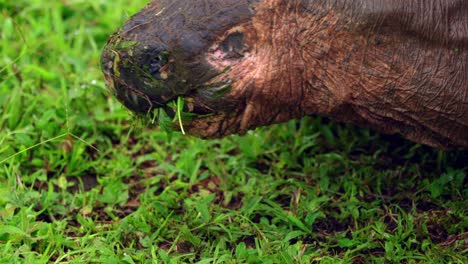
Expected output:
(161, 53)
(232, 59)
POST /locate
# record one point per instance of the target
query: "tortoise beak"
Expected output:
(141, 77)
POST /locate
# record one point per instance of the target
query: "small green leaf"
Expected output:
(12, 230)
(164, 256)
(241, 250)
(347, 243)
(165, 123)
(203, 206)
(125, 44)
(114, 193)
(62, 182)
(297, 222)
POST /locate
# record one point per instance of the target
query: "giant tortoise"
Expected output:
(396, 66)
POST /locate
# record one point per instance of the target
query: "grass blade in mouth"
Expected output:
(180, 107)
(166, 117)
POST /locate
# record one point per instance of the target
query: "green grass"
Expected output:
(80, 182)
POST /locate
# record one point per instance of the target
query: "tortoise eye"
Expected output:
(233, 45)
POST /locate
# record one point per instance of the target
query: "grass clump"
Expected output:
(79, 183)
(168, 119)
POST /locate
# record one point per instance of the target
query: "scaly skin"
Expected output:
(397, 66)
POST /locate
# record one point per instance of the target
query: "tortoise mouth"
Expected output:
(141, 77)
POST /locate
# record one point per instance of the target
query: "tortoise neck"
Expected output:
(391, 83)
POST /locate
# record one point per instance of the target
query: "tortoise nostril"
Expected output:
(138, 74)
(158, 65)
(154, 68)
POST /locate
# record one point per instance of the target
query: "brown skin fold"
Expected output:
(391, 65)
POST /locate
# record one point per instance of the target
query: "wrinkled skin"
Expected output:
(397, 66)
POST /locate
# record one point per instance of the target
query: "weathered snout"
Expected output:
(147, 65)
(146, 73)
(158, 54)
(140, 77)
